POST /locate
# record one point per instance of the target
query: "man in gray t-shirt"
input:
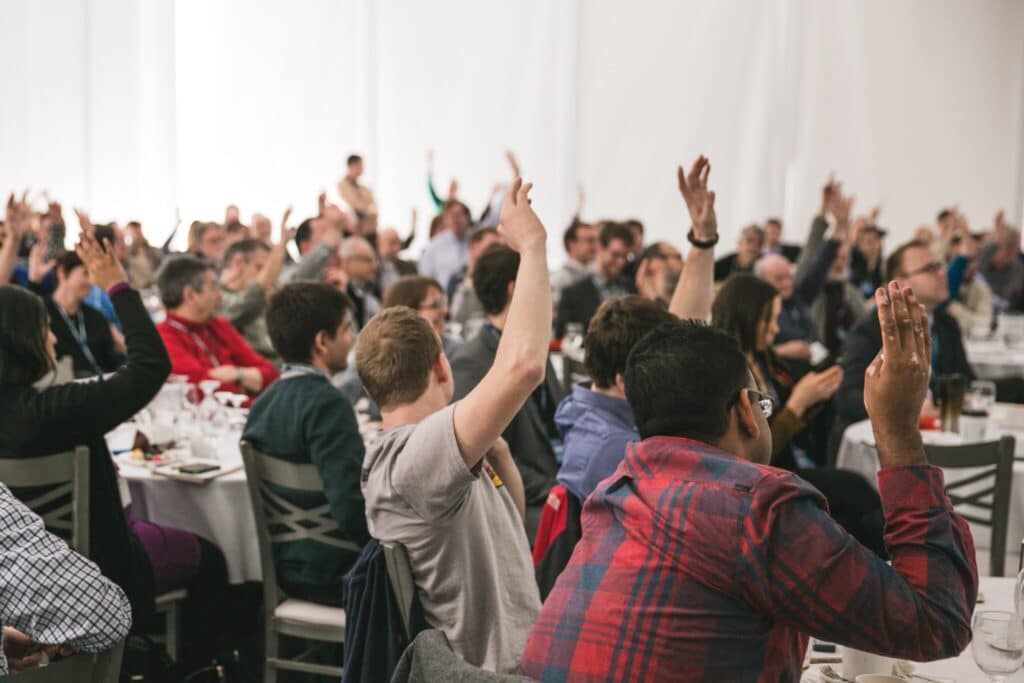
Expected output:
(464, 535)
(440, 480)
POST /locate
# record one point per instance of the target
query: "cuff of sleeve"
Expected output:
(120, 286)
(912, 486)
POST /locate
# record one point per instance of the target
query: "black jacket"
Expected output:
(528, 435)
(578, 304)
(97, 335)
(36, 423)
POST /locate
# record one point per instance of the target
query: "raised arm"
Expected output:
(696, 288)
(520, 361)
(272, 269)
(13, 231)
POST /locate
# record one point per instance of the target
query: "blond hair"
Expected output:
(395, 353)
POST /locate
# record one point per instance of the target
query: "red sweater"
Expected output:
(185, 342)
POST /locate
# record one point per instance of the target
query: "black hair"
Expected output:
(304, 232)
(739, 308)
(613, 332)
(353, 159)
(298, 312)
(494, 269)
(616, 231)
(67, 261)
(570, 233)
(24, 328)
(681, 380)
(178, 272)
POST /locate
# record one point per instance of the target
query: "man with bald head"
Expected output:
(359, 262)
(389, 245)
(796, 325)
(1001, 264)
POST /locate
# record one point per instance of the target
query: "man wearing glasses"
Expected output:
(912, 265)
(698, 561)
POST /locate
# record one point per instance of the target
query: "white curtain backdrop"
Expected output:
(163, 108)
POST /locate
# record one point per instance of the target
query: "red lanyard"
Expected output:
(197, 339)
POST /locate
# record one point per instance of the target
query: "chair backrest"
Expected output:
(400, 577)
(103, 667)
(63, 502)
(982, 496)
(281, 521)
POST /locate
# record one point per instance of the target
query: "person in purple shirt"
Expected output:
(595, 421)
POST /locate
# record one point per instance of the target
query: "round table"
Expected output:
(218, 510)
(857, 453)
(998, 595)
(994, 359)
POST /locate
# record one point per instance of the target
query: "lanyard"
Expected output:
(197, 339)
(290, 370)
(78, 333)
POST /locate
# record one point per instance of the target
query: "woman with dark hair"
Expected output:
(424, 295)
(748, 308)
(38, 417)
(81, 331)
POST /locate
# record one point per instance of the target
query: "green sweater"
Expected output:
(305, 419)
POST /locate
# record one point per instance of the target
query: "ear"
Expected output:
(620, 382)
(319, 343)
(511, 290)
(442, 371)
(745, 414)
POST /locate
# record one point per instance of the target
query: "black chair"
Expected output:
(981, 497)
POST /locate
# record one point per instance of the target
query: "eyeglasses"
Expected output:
(765, 402)
(929, 268)
(433, 306)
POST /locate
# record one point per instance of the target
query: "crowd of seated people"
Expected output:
(728, 382)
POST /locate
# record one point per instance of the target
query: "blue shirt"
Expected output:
(595, 429)
(98, 299)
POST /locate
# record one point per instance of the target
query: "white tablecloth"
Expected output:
(857, 453)
(998, 593)
(994, 359)
(219, 510)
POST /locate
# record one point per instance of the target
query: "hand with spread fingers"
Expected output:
(519, 225)
(100, 261)
(700, 201)
(896, 381)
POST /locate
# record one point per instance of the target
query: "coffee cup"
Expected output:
(973, 424)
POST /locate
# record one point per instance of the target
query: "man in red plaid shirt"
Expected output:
(700, 562)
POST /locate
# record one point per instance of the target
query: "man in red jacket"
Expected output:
(202, 345)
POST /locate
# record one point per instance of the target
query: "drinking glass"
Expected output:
(981, 396)
(998, 644)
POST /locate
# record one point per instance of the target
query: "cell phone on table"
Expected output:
(198, 468)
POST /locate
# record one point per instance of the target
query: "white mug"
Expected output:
(856, 663)
(972, 427)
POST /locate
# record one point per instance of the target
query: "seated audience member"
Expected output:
(440, 470)
(389, 246)
(773, 241)
(606, 281)
(580, 241)
(658, 269)
(142, 260)
(866, 259)
(699, 562)
(532, 429)
(358, 197)
(970, 298)
(748, 251)
(208, 241)
(81, 331)
(317, 241)
(748, 309)
(17, 224)
(38, 418)
(262, 229)
(1000, 262)
(359, 263)
(235, 232)
(248, 276)
(51, 595)
(201, 344)
(448, 250)
(303, 418)
(914, 264)
(426, 297)
(636, 230)
(466, 309)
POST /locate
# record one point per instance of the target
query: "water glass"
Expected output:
(998, 644)
(981, 396)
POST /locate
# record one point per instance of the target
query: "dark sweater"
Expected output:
(97, 335)
(305, 419)
(56, 419)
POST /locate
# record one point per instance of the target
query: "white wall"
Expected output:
(139, 109)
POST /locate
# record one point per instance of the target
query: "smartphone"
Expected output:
(198, 468)
(55, 241)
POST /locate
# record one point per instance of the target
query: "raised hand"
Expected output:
(519, 225)
(38, 265)
(453, 189)
(581, 197)
(100, 261)
(83, 221)
(514, 163)
(896, 381)
(286, 233)
(700, 201)
(827, 192)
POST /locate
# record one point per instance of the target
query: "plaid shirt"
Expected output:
(698, 565)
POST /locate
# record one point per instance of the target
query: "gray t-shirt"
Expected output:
(469, 554)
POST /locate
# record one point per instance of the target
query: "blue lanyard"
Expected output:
(78, 333)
